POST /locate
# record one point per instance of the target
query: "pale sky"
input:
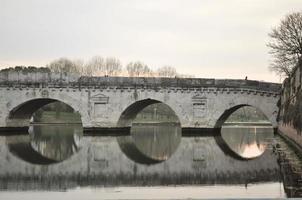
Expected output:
(205, 38)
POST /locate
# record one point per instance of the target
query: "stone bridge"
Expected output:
(115, 101)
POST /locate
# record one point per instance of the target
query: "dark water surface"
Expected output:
(155, 159)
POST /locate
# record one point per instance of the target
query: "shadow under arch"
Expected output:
(128, 143)
(22, 113)
(218, 128)
(130, 113)
(227, 113)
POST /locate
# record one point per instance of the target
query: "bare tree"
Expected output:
(79, 65)
(95, 66)
(147, 71)
(64, 65)
(167, 71)
(113, 66)
(138, 69)
(286, 44)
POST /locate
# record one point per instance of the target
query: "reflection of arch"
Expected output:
(226, 114)
(20, 146)
(129, 114)
(228, 151)
(165, 130)
(129, 148)
(140, 150)
(21, 114)
(46, 144)
(225, 148)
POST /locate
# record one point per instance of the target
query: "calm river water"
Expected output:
(152, 161)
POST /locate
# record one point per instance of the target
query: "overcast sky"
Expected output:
(206, 38)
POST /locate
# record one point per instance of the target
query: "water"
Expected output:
(151, 143)
(247, 142)
(264, 190)
(60, 159)
(46, 144)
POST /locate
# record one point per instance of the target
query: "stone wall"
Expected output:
(31, 77)
(290, 118)
(291, 133)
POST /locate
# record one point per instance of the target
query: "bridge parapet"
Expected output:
(104, 88)
(178, 82)
(54, 80)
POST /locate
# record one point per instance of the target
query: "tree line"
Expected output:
(100, 66)
(110, 66)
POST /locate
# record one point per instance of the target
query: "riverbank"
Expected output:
(291, 136)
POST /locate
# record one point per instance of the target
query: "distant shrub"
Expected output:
(28, 69)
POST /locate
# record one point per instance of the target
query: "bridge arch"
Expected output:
(20, 115)
(130, 113)
(229, 111)
(149, 142)
(227, 145)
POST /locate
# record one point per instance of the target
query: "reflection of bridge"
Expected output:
(115, 101)
(197, 160)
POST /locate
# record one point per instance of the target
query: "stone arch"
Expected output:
(218, 137)
(128, 144)
(129, 114)
(227, 112)
(19, 116)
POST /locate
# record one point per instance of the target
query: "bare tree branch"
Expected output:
(286, 44)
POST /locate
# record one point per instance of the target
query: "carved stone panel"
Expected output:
(100, 107)
(100, 98)
(199, 106)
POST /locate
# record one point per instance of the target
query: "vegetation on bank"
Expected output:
(286, 50)
(292, 112)
(28, 69)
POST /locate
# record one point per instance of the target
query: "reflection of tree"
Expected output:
(55, 142)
